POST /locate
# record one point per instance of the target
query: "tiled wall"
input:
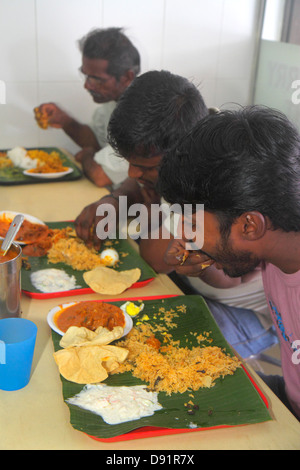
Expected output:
(210, 42)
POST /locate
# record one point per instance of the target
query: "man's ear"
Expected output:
(127, 78)
(253, 225)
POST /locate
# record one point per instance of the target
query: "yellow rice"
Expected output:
(47, 162)
(73, 252)
(174, 369)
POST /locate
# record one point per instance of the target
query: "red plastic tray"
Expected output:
(83, 291)
(150, 431)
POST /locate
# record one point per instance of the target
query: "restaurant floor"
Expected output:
(266, 367)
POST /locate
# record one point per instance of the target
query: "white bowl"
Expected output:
(48, 176)
(55, 310)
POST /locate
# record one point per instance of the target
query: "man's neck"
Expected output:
(283, 250)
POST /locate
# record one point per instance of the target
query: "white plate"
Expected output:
(48, 176)
(55, 310)
(29, 218)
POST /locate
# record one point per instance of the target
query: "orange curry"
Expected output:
(11, 254)
(90, 315)
(37, 237)
(28, 231)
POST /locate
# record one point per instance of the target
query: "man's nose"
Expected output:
(87, 84)
(134, 172)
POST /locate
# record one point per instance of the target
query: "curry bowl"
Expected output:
(56, 312)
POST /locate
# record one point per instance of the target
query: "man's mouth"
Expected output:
(147, 184)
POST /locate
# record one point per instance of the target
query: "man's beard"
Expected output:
(235, 263)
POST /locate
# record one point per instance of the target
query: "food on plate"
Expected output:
(91, 315)
(41, 117)
(74, 253)
(105, 280)
(46, 162)
(87, 357)
(81, 336)
(132, 309)
(5, 162)
(25, 263)
(42, 245)
(20, 158)
(90, 364)
(110, 256)
(28, 233)
(60, 245)
(117, 404)
(35, 161)
(53, 280)
(168, 367)
(150, 354)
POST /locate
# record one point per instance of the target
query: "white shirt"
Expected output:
(116, 168)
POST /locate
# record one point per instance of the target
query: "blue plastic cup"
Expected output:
(17, 343)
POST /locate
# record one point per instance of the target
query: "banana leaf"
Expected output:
(131, 260)
(14, 175)
(233, 400)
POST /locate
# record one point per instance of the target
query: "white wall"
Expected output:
(211, 42)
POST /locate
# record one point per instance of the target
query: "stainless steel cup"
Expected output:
(10, 285)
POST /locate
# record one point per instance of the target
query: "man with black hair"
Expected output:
(110, 62)
(153, 115)
(156, 111)
(244, 167)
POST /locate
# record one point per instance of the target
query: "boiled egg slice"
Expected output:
(132, 309)
(109, 256)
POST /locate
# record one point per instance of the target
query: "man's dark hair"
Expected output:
(153, 113)
(238, 161)
(112, 45)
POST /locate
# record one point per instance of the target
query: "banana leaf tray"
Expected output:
(129, 259)
(15, 176)
(234, 400)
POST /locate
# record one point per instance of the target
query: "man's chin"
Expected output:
(238, 272)
(98, 99)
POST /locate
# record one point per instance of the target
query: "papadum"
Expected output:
(105, 280)
(87, 357)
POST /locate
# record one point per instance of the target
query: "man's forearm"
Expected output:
(94, 172)
(82, 134)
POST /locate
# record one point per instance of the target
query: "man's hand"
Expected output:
(185, 262)
(56, 117)
(87, 221)
(49, 114)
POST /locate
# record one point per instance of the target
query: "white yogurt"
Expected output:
(53, 280)
(117, 404)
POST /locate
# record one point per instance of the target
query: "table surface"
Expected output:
(36, 416)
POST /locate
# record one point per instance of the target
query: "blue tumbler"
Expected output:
(17, 343)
